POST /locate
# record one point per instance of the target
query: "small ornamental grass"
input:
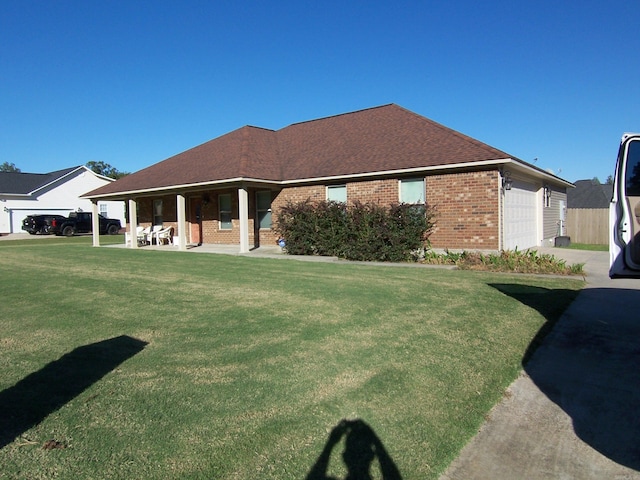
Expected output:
(515, 261)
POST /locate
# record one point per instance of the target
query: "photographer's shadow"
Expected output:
(362, 447)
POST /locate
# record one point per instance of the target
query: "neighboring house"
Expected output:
(588, 212)
(228, 190)
(59, 192)
(590, 194)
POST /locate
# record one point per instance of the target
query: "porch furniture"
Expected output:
(140, 236)
(150, 235)
(164, 234)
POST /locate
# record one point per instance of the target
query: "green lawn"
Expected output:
(172, 365)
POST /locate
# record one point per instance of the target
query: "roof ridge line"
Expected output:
(337, 115)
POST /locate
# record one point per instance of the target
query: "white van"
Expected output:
(624, 211)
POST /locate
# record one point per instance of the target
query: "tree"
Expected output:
(609, 180)
(104, 169)
(9, 167)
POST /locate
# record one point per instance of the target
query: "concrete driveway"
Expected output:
(574, 411)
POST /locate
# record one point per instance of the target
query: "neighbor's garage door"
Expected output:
(18, 215)
(520, 216)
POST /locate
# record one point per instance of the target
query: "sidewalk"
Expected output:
(573, 412)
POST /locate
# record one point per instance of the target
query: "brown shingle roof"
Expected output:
(379, 139)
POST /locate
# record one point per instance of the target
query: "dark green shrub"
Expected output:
(358, 231)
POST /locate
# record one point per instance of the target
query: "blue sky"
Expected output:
(131, 83)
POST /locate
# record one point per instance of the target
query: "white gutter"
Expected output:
(58, 178)
(173, 188)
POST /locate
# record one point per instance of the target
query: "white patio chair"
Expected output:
(155, 229)
(128, 236)
(141, 234)
(164, 234)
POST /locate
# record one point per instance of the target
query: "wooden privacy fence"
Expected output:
(588, 225)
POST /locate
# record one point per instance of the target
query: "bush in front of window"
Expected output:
(356, 231)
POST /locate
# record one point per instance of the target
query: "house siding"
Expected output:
(551, 216)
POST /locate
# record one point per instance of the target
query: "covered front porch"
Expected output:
(237, 217)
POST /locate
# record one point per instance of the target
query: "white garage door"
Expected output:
(520, 216)
(17, 215)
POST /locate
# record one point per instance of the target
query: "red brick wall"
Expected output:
(467, 206)
(383, 192)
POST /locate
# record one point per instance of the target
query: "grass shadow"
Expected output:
(41, 393)
(551, 303)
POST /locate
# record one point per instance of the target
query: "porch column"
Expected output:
(133, 222)
(95, 223)
(181, 207)
(243, 213)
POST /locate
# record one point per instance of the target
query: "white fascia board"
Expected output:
(404, 171)
(539, 173)
(518, 164)
(173, 188)
(109, 179)
(42, 187)
(10, 196)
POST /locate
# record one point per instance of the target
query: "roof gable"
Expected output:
(14, 183)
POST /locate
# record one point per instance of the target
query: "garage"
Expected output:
(520, 216)
(17, 215)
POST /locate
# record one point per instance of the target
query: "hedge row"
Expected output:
(355, 231)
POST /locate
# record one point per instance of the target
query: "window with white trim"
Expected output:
(224, 209)
(263, 207)
(103, 209)
(412, 191)
(157, 212)
(337, 193)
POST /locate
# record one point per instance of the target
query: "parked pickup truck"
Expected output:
(40, 224)
(80, 222)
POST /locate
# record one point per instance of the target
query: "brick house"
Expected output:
(225, 191)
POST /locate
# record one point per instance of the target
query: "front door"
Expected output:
(624, 211)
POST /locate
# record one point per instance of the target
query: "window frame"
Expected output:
(263, 211)
(340, 187)
(222, 213)
(157, 212)
(422, 200)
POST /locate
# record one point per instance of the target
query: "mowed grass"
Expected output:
(249, 363)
